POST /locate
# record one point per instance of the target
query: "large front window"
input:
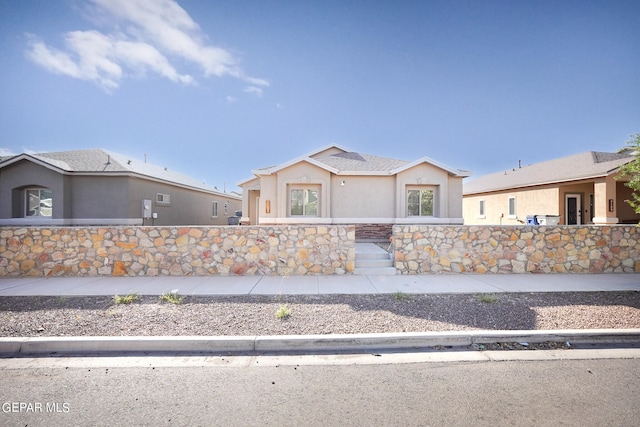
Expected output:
(304, 202)
(420, 203)
(39, 202)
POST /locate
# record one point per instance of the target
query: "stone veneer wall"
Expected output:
(516, 249)
(177, 251)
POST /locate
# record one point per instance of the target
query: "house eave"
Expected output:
(32, 159)
(536, 184)
(246, 181)
(364, 173)
(275, 169)
(65, 172)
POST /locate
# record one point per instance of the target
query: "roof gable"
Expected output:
(327, 151)
(585, 165)
(450, 170)
(275, 169)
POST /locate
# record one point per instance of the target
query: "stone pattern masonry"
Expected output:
(516, 249)
(177, 251)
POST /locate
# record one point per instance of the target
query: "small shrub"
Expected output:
(283, 312)
(172, 297)
(127, 299)
(487, 298)
(400, 296)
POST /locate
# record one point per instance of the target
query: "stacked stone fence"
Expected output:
(313, 250)
(177, 251)
(516, 249)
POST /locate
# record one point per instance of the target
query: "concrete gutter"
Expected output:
(305, 343)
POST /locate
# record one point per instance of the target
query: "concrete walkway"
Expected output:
(309, 285)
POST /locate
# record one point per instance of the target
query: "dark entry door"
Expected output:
(573, 209)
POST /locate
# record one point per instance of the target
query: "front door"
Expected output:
(573, 209)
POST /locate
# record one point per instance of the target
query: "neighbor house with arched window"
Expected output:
(99, 187)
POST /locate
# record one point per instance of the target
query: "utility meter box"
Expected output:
(146, 208)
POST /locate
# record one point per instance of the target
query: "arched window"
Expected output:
(39, 202)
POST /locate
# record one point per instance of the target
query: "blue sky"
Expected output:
(215, 89)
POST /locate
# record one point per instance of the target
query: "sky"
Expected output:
(215, 89)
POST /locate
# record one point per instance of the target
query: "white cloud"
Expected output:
(254, 90)
(154, 31)
(6, 152)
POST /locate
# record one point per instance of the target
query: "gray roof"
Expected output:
(357, 162)
(590, 164)
(103, 162)
(348, 162)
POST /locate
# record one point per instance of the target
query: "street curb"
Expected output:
(305, 343)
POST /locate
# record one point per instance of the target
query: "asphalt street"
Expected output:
(152, 392)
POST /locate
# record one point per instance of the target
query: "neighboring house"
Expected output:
(581, 189)
(98, 187)
(336, 186)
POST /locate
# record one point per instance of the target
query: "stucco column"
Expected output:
(605, 201)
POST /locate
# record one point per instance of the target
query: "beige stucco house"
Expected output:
(580, 189)
(334, 185)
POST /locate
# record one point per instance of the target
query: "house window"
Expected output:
(420, 202)
(214, 210)
(512, 207)
(163, 199)
(481, 213)
(304, 202)
(39, 202)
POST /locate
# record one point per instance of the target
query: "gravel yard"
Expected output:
(317, 314)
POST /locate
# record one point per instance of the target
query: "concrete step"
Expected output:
(385, 271)
(373, 263)
(373, 255)
(370, 250)
(371, 260)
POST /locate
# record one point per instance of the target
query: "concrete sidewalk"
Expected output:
(310, 285)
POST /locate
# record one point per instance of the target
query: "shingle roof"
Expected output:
(357, 162)
(585, 165)
(349, 162)
(99, 161)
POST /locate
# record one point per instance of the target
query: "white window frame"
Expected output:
(434, 201)
(40, 199)
(163, 199)
(306, 190)
(214, 209)
(481, 209)
(510, 214)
